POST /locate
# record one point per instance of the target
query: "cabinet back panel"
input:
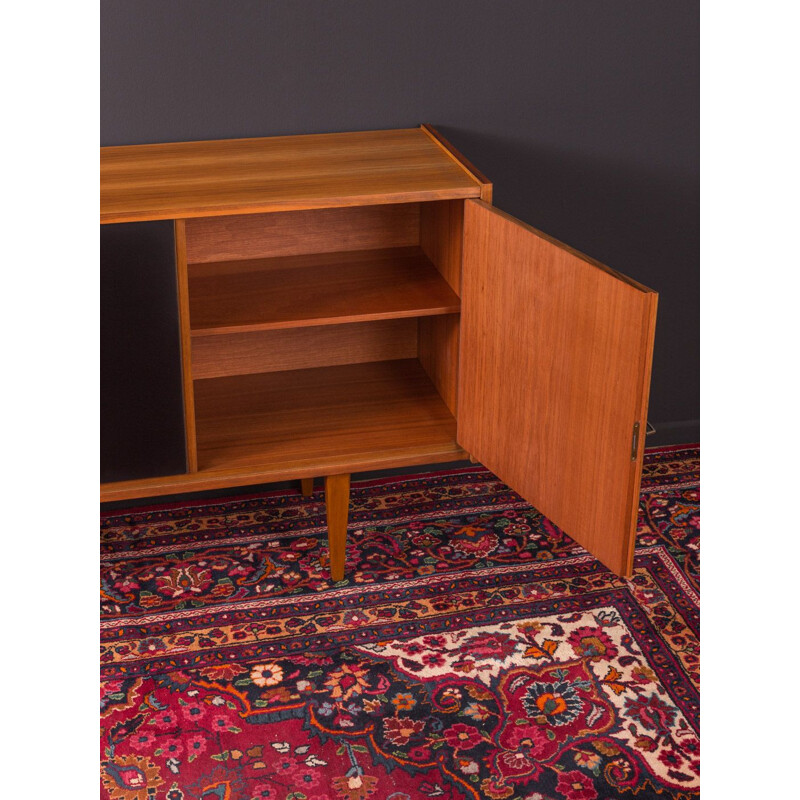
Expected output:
(302, 348)
(291, 233)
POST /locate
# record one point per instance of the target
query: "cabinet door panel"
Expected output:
(141, 415)
(554, 372)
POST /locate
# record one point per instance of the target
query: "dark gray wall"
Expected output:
(584, 114)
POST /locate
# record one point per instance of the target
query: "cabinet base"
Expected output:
(219, 479)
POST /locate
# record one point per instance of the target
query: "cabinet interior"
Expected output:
(324, 336)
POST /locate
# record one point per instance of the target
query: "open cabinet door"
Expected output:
(554, 378)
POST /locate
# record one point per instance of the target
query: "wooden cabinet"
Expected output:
(353, 301)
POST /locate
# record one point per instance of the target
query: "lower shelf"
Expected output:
(311, 422)
(329, 414)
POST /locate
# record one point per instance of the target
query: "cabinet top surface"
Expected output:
(281, 173)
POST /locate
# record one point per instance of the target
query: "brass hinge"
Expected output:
(635, 443)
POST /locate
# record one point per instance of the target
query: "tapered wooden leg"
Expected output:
(307, 486)
(337, 501)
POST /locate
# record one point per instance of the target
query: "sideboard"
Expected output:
(353, 301)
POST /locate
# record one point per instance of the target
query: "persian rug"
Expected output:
(473, 650)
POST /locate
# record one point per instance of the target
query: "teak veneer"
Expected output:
(352, 301)
(243, 176)
(261, 294)
(328, 415)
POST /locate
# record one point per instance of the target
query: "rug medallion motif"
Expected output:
(472, 651)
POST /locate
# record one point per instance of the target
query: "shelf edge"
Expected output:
(189, 212)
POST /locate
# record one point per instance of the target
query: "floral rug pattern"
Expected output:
(472, 651)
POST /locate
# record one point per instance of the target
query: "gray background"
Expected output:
(585, 115)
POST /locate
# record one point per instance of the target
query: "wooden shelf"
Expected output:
(327, 418)
(320, 289)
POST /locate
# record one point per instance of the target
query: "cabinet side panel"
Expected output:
(141, 422)
(441, 233)
(292, 233)
(438, 354)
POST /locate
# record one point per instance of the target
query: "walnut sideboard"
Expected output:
(352, 301)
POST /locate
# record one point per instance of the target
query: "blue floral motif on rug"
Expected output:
(473, 650)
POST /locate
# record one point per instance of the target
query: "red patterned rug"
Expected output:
(473, 650)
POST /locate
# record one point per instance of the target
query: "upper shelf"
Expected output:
(319, 289)
(240, 176)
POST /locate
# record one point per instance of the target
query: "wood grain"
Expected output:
(337, 506)
(303, 348)
(438, 354)
(485, 183)
(307, 487)
(204, 480)
(320, 289)
(243, 176)
(319, 414)
(293, 233)
(644, 372)
(184, 323)
(346, 190)
(554, 364)
(441, 231)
